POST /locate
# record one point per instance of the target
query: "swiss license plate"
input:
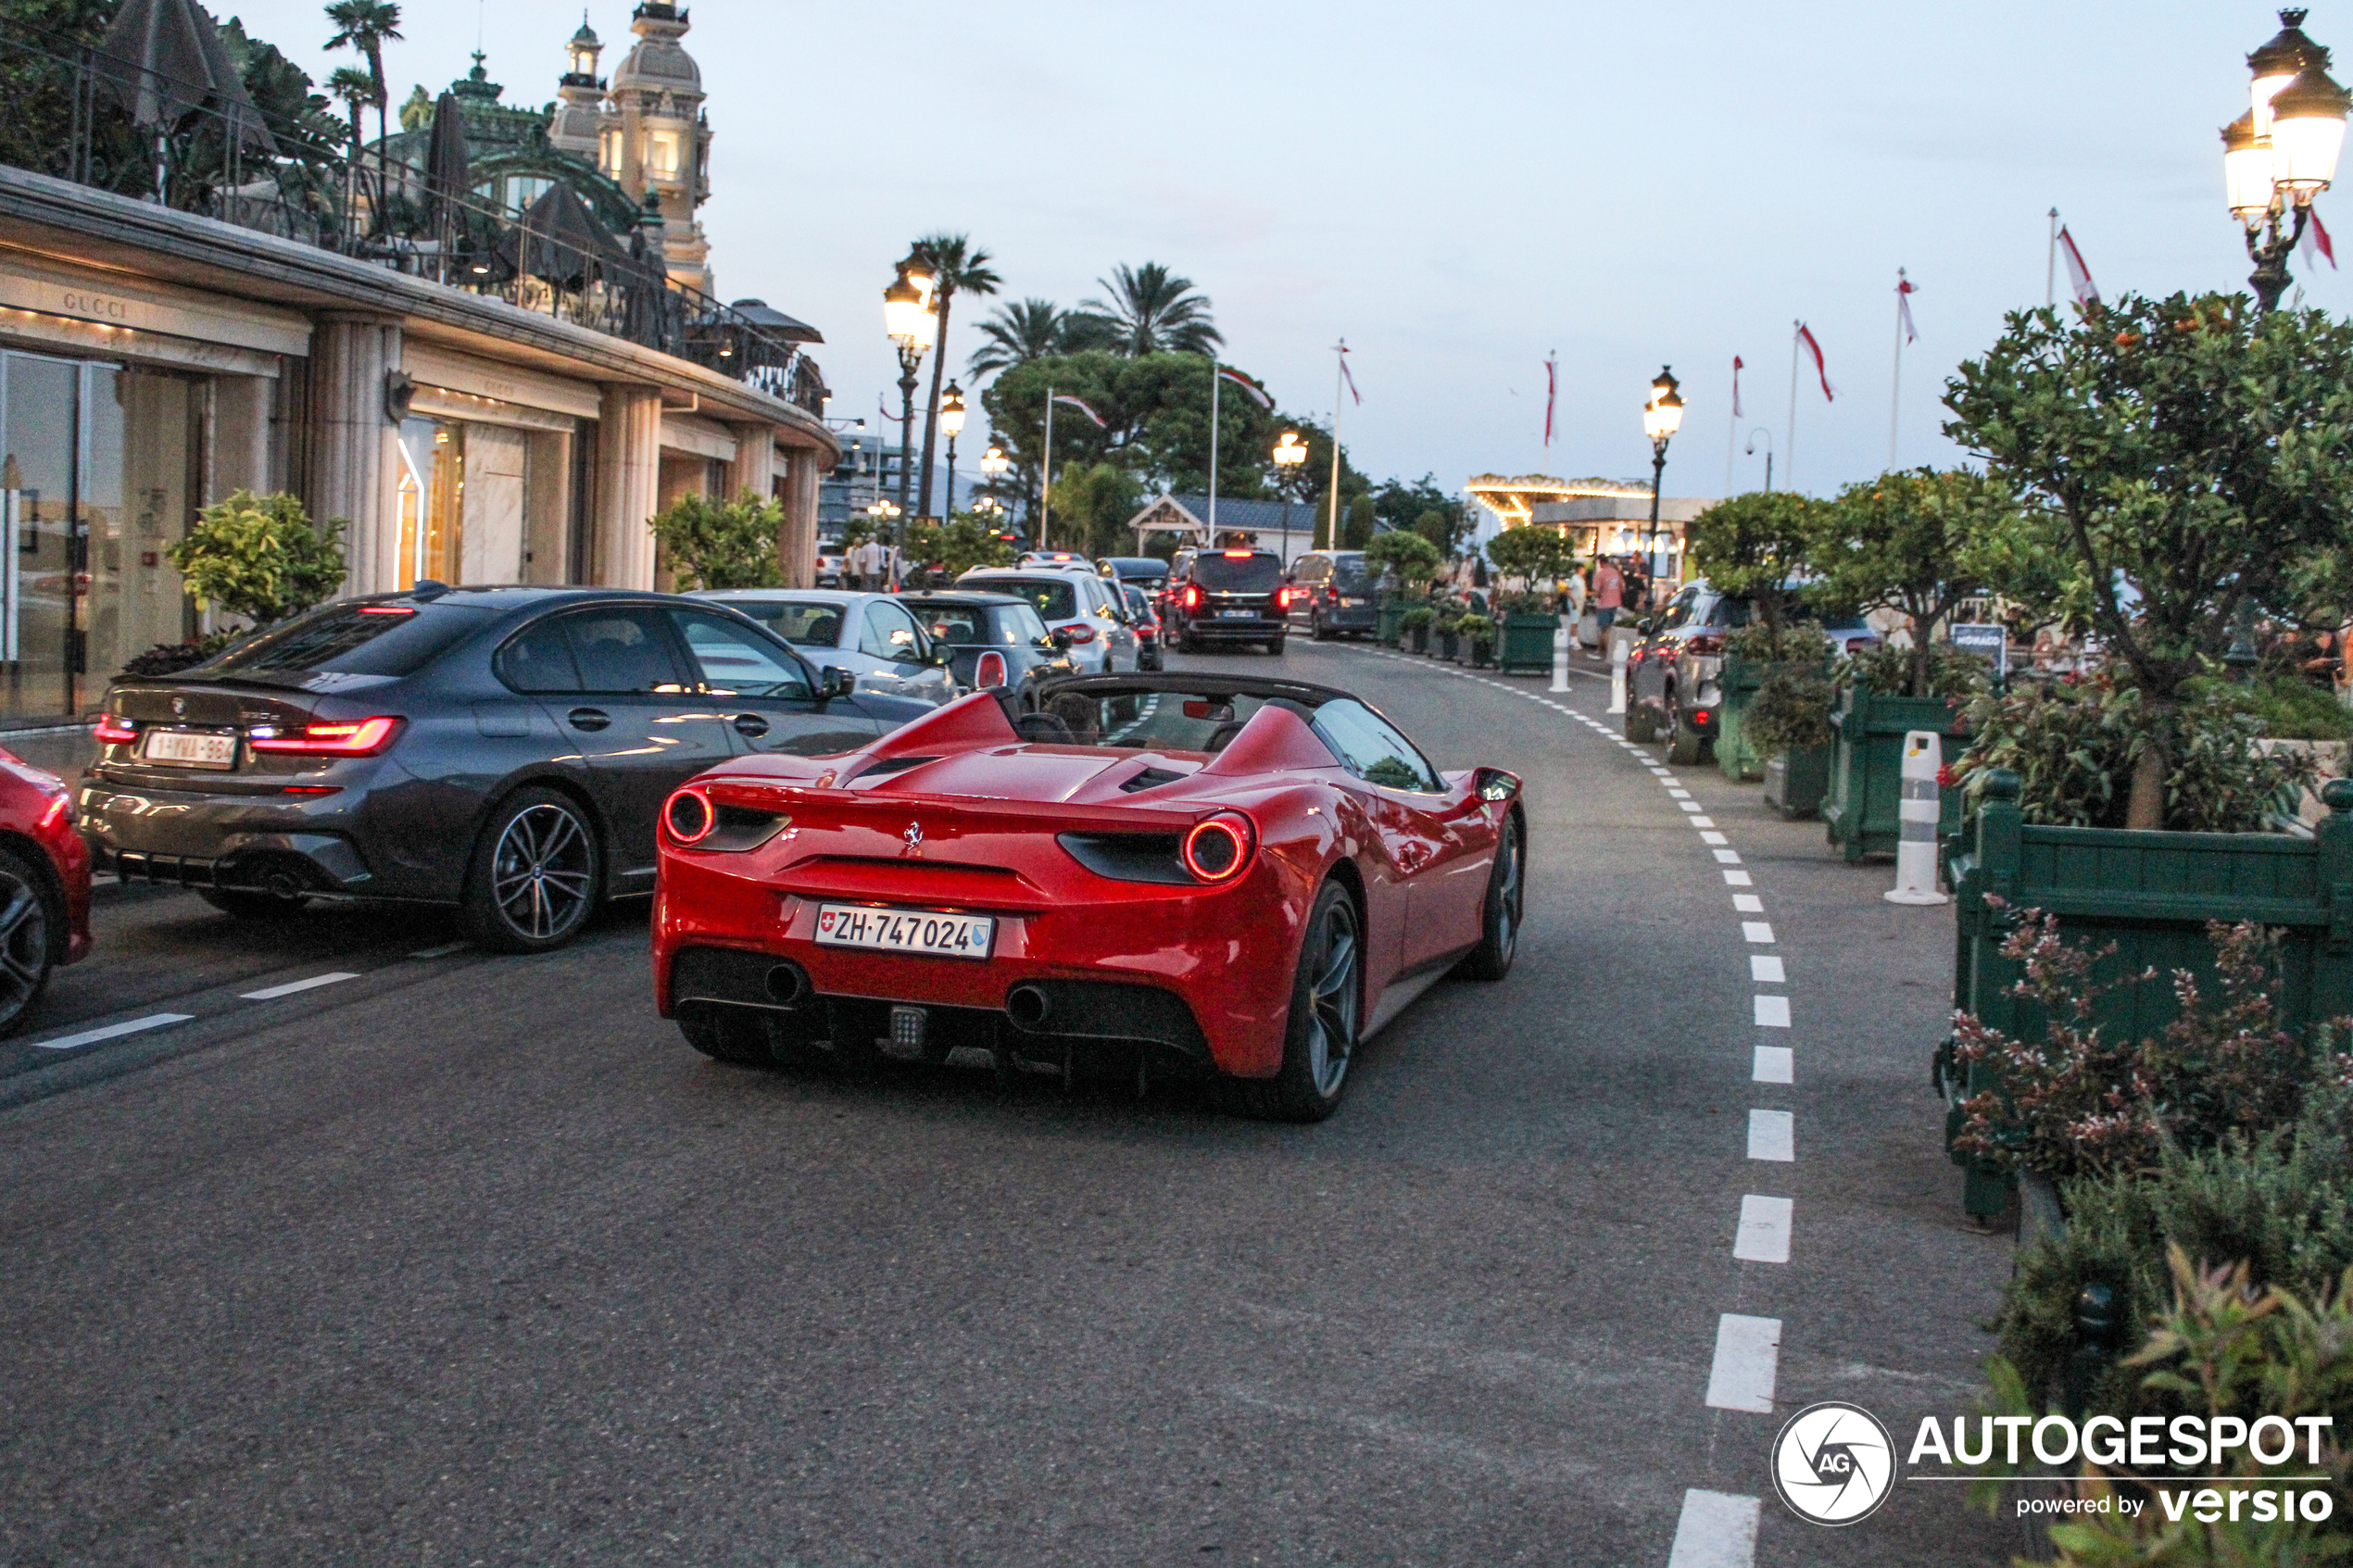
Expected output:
(904, 931)
(1236, 615)
(189, 749)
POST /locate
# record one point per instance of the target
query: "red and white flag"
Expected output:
(1551, 390)
(1905, 290)
(1738, 365)
(1805, 341)
(2316, 240)
(1251, 389)
(1065, 399)
(1345, 376)
(2079, 276)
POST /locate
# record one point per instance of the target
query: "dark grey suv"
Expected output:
(503, 749)
(1673, 673)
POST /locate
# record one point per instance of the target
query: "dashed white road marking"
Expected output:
(1679, 794)
(1772, 1135)
(1765, 969)
(1772, 1013)
(1748, 903)
(1763, 1236)
(1725, 856)
(1737, 879)
(1687, 805)
(1774, 1064)
(1756, 931)
(111, 1032)
(1703, 822)
(271, 993)
(1716, 1530)
(1716, 838)
(1748, 1357)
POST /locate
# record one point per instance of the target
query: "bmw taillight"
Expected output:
(348, 737)
(689, 816)
(1081, 634)
(113, 729)
(989, 670)
(1218, 848)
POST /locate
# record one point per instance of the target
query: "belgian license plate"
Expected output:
(904, 931)
(1236, 615)
(188, 749)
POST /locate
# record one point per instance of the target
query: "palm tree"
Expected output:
(1014, 334)
(957, 266)
(1155, 311)
(368, 26)
(354, 87)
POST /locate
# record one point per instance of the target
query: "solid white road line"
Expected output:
(1738, 879)
(1748, 1355)
(1758, 931)
(1772, 1136)
(111, 1032)
(1748, 903)
(271, 994)
(1765, 1226)
(1775, 1064)
(1716, 1530)
(442, 951)
(1766, 969)
(1772, 1013)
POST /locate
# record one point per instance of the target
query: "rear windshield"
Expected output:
(1056, 598)
(1009, 626)
(1250, 575)
(796, 620)
(1348, 572)
(351, 639)
(1147, 720)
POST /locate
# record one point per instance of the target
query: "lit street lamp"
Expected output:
(1662, 417)
(994, 465)
(2283, 152)
(951, 422)
(908, 318)
(1290, 457)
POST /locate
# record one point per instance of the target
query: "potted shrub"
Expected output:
(1415, 623)
(1753, 546)
(1444, 633)
(256, 557)
(1478, 631)
(1535, 554)
(1777, 700)
(1876, 707)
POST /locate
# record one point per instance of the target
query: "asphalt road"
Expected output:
(466, 1260)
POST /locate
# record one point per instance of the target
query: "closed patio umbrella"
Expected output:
(448, 167)
(162, 60)
(560, 240)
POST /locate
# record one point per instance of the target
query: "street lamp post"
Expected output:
(1291, 455)
(1767, 434)
(994, 465)
(1662, 417)
(2283, 152)
(909, 318)
(951, 424)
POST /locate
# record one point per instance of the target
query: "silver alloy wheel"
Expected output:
(1331, 1019)
(24, 945)
(541, 871)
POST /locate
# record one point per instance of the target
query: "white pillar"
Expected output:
(628, 485)
(353, 469)
(1916, 821)
(799, 544)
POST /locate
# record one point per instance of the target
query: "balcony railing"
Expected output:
(309, 180)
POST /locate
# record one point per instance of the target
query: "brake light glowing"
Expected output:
(1192, 596)
(349, 737)
(112, 729)
(689, 816)
(1331, 595)
(1217, 849)
(386, 610)
(1239, 555)
(1282, 598)
(1081, 634)
(1699, 716)
(989, 670)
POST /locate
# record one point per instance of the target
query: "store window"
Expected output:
(433, 501)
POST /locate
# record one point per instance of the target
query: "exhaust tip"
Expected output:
(1028, 1006)
(786, 984)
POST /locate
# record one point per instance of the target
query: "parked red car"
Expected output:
(1131, 874)
(45, 885)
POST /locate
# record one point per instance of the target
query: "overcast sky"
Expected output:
(1461, 190)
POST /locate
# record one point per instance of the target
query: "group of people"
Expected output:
(1612, 585)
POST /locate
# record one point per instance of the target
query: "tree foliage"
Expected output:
(1534, 551)
(1414, 558)
(955, 546)
(1152, 310)
(259, 557)
(1092, 503)
(1756, 546)
(720, 544)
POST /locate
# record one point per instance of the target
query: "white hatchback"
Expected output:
(1078, 606)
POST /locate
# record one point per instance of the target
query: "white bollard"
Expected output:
(1560, 657)
(1915, 817)
(1618, 648)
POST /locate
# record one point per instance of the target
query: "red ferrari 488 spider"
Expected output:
(1134, 874)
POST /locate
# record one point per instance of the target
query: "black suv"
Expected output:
(1334, 593)
(1227, 596)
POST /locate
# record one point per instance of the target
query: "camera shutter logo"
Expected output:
(1833, 1463)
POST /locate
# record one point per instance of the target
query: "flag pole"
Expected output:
(1045, 469)
(1789, 446)
(1340, 371)
(1731, 434)
(2050, 265)
(1895, 392)
(1214, 380)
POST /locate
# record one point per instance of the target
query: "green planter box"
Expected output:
(1448, 645)
(1385, 627)
(1796, 781)
(1527, 642)
(1417, 639)
(1866, 773)
(2151, 893)
(1737, 683)
(1482, 655)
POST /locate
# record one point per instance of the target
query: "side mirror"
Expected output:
(835, 682)
(1494, 786)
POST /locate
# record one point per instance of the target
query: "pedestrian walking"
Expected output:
(1609, 594)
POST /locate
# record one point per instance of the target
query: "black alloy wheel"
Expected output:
(538, 875)
(1638, 721)
(1319, 1045)
(27, 949)
(1686, 747)
(1500, 911)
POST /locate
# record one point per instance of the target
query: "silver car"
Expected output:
(871, 635)
(1083, 610)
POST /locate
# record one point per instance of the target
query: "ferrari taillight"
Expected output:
(689, 816)
(988, 670)
(346, 737)
(1218, 848)
(113, 729)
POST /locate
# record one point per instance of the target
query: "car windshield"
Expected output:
(1009, 626)
(353, 639)
(808, 623)
(1145, 721)
(1239, 574)
(1056, 598)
